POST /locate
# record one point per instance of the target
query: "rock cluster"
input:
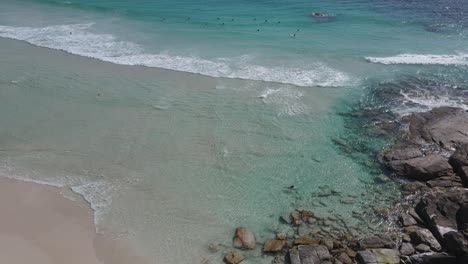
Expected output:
(433, 154)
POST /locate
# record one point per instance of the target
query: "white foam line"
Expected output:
(423, 59)
(98, 194)
(78, 39)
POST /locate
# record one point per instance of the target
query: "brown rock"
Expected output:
(351, 253)
(244, 238)
(306, 241)
(233, 257)
(274, 245)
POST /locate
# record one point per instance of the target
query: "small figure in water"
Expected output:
(232, 19)
(266, 21)
(258, 30)
(279, 22)
(292, 187)
(188, 18)
(254, 19)
(222, 24)
(293, 35)
(218, 18)
(298, 30)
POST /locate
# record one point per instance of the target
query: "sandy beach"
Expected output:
(39, 225)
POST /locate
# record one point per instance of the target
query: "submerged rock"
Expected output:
(274, 245)
(233, 257)
(309, 254)
(378, 256)
(377, 241)
(244, 238)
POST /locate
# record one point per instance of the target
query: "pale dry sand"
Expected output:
(38, 225)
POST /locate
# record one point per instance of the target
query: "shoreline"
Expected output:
(40, 225)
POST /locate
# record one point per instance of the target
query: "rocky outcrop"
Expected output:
(413, 164)
(446, 127)
(244, 238)
(309, 254)
(439, 210)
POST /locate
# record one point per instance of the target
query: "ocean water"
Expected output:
(181, 120)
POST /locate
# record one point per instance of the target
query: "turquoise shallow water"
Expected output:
(207, 136)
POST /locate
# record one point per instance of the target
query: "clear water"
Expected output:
(207, 136)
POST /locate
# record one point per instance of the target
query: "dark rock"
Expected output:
(309, 254)
(407, 220)
(456, 244)
(344, 258)
(437, 258)
(274, 245)
(439, 210)
(463, 174)
(445, 126)
(460, 157)
(445, 183)
(424, 236)
(422, 248)
(377, 241)
(413, 186)
(378, 256)
(400, 154)
(244, 238)
(413, 164)
(233, 257)
(462, 219)
(406, 249)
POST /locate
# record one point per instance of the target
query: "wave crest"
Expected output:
(79, 40)
(422, 59)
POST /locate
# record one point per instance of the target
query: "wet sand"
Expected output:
(39, 225)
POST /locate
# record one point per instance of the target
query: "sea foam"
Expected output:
(79, 39)
(422, 59)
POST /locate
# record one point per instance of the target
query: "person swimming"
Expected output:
(292, 187)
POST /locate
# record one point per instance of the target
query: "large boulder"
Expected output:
(459, 161)
(438, 258)
(456, 244)
(460, 157)
(445, 126)
(309, 254)
(274, 245)
(439, 210)
(413, 164)
(378, 256)
(244, 238)
(377, 241)
(425, 237)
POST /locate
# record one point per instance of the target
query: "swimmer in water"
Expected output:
(292, 187)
